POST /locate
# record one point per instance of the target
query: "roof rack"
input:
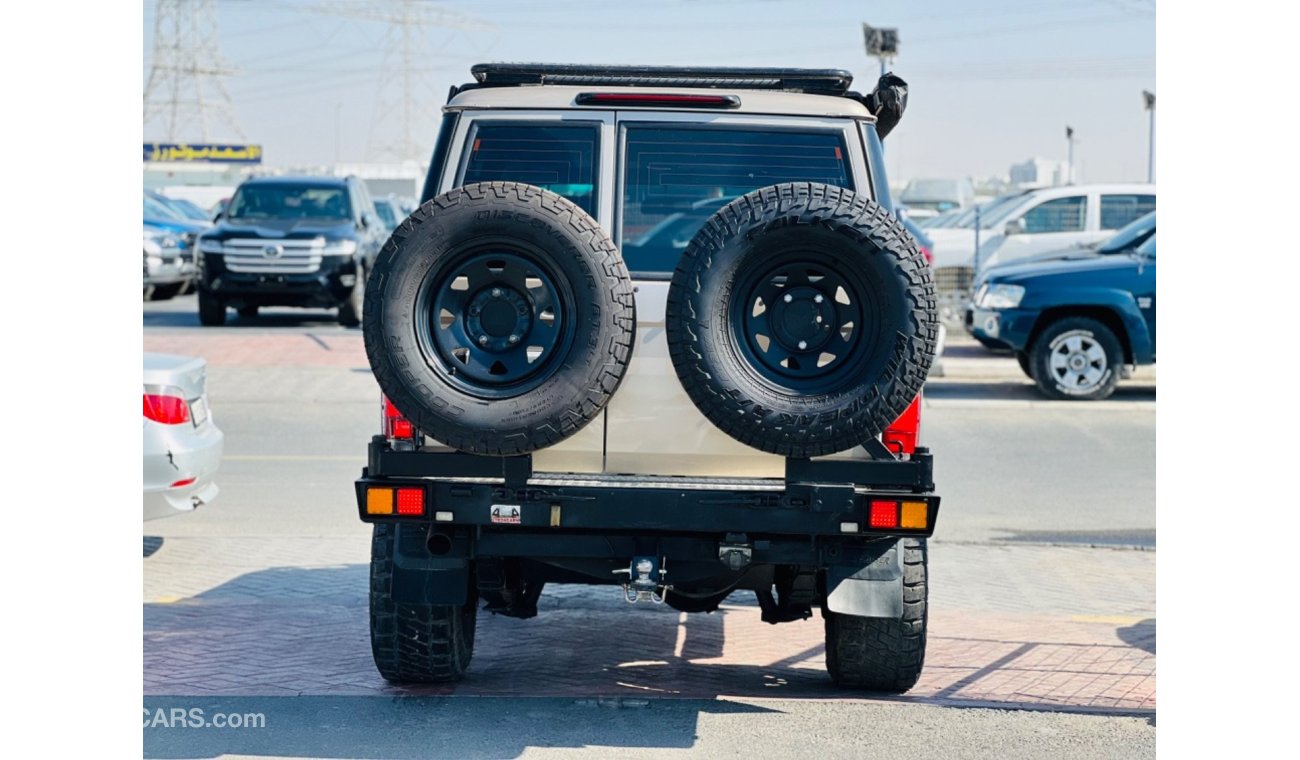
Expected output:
(812, 81)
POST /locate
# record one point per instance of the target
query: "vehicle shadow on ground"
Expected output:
(1016, 391)
(1141, 635)
(271, 320)
(292, 644)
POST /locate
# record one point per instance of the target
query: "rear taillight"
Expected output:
(929, 257)
(395, 425)
(901, 436)
(166, 405)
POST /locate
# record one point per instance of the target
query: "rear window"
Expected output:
(676, 178)
(1119, 210)
(559, 158)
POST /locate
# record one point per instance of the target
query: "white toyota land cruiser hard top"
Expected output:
(655, 328)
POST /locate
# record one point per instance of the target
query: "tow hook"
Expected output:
(646, 576)
(735, 551)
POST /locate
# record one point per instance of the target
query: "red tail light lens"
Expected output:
(395, 425)
(884, 514)
(166, 408)
(901, 435)
(410, 501)
(929, 257)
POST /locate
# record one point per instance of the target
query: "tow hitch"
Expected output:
(646, 577)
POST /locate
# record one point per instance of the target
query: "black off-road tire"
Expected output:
(877, 654)
(212, 310)
(350, 311)
(166, 292)
(589, 284)
(1052, 383)
(1026, 365)
(415, 643)
(248, 312)
(877, 370)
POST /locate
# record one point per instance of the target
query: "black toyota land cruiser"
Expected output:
(290, 241)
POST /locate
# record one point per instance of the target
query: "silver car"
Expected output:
(168, 265)
(182, 446)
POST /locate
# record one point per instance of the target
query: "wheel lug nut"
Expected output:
(514, 339)
(803, 344)
(819, 320)
(482, 340)
(818, 298)
(788, 298)
(496, 292)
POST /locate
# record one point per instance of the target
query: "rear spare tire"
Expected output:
(802, 319)
(499, 318)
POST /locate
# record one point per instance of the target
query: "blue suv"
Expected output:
(1074, 323)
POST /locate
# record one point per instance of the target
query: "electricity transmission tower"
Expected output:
(406, 93)
(185, 88)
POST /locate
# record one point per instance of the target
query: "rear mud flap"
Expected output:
(419, 578)
(875, 590)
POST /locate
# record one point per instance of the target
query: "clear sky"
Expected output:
(992, 83)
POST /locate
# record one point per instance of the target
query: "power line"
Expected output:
(186, 88)
(405, 90)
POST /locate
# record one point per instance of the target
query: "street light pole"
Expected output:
(1149, 100)
(881, 44)
(1069, 161)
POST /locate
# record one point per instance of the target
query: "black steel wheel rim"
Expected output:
(799, 323)
(495, 320)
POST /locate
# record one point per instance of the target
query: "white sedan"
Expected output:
(182, 446)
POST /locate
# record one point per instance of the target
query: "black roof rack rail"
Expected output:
(812, 81)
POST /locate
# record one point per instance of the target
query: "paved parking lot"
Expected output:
(1042, 590)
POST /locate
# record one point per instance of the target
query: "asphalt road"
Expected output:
(1013, 470)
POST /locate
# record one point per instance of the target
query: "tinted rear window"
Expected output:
(676, 178)
(560, 158)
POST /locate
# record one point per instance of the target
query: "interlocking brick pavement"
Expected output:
(1046, 627)
(270, 349)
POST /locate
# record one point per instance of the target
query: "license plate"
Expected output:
(199, 410)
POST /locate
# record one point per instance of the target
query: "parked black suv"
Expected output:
(290, 241)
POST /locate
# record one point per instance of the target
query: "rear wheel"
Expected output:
(1077, 358)
(415, 643)
(879, 654)
(212, 310)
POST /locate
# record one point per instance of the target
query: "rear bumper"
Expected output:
(830, 498)
(175, 454)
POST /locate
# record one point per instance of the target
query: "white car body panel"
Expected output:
(955, 247)
(174, 453)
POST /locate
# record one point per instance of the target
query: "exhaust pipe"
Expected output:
(438, 543)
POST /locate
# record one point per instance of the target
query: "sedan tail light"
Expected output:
(166, 406)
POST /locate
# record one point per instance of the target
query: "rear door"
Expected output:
(674, 171)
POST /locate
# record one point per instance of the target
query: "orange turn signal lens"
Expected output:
(916, 515)
(379, 501)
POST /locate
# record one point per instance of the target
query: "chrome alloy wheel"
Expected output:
(1077, 361)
